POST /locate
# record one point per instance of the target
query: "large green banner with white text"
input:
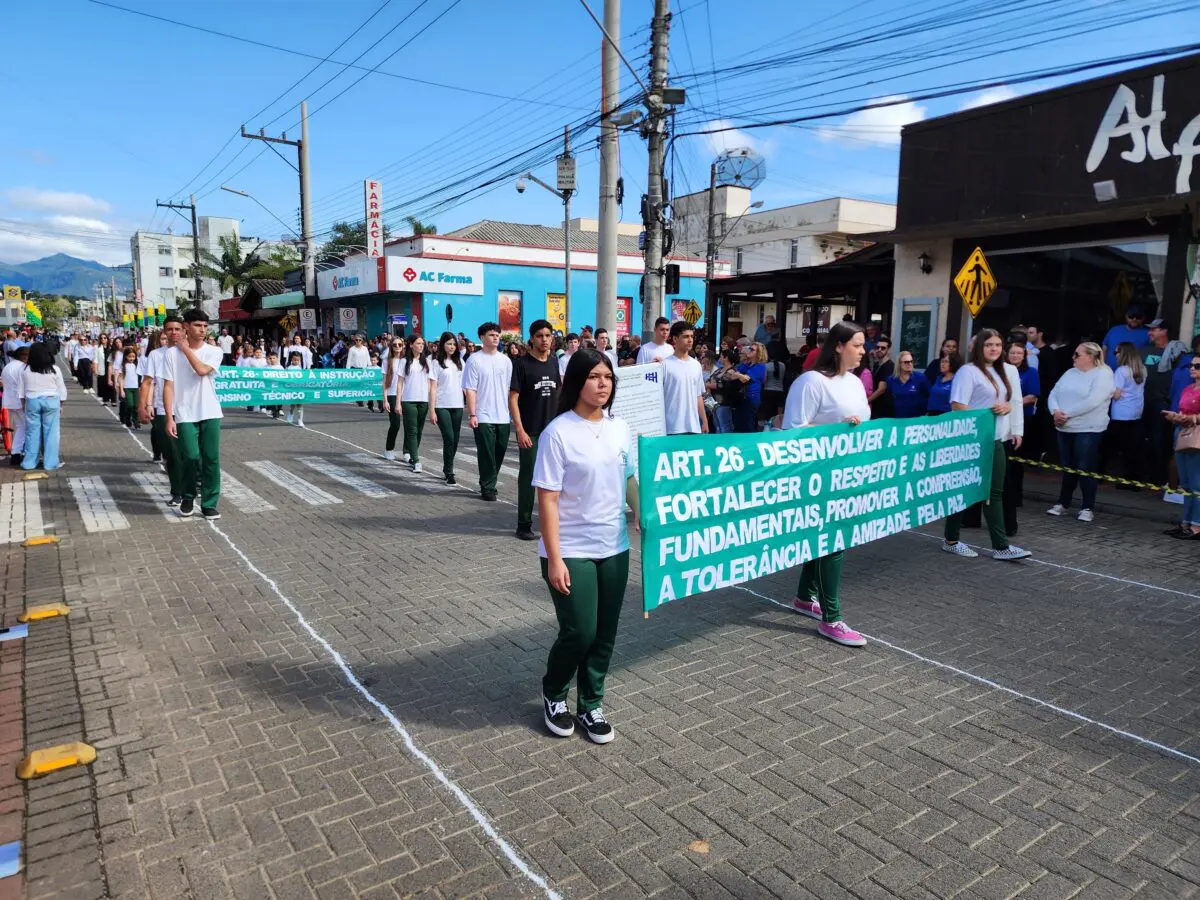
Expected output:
(245, 386)
(722, 510)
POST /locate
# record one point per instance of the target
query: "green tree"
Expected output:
(280, 261)
(418, 227)
(231, 269)
(345, 239)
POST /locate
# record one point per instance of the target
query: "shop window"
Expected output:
(737, 264)
(735, 309)
(166, 294)
(794, 252)
(164, 250)
(164, 272)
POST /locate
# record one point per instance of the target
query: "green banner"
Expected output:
(245, 386)
(722, 511)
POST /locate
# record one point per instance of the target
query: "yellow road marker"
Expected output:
(51, 759)
(35, 476)
(40, 541)
(45, 611)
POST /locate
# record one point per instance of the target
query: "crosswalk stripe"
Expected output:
(20, 512)
(337, 473)
(398, 471)
(244, 499)
(158, 488)
(292, 483)
(96, 505)
(470, 455)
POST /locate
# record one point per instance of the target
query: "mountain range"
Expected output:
(62, 274)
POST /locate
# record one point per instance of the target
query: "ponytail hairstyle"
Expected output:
(993, 371)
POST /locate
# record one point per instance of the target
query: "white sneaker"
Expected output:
(300, 421)
(1011, 552)
(405, 458)
(1086, 515)
(1172, 497)
(289, 418)
(1056, 510)
(416, 467)
(958, 548)
(389, 455)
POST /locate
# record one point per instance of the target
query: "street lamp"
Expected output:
(565, 197)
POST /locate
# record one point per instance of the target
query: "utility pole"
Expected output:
(654, 206)
(113, 285)
(566, 186)
(610, 168)
(306, 235)
(191, 205)
(710, 247)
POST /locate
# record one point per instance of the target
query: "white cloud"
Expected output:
(735, 139)
(877, 125)
(80, 222)
(990, 96)
(64, 202)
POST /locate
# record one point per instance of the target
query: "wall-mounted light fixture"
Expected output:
(926, 263)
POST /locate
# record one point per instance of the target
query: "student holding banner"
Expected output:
(828, 394)
(584, 475)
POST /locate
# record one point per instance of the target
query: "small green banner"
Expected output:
(246, 386)
(720, 512)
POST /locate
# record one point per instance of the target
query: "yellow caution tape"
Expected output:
(51, 759)
(1129, 482)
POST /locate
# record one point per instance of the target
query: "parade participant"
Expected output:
(273, 363)
(532, 403)
(486, 380)
(584, 476)
(127, 390)
(295, 413)
(414, 398)
(297, 346)
(106, 379)
(1079, 406)
(116, 358)
(570, 346)
(148, 388)
(359, 357)
(69, 349)
(446, 399)
(1187, 452)
(987, 382)
(908, 389)
(85, 361)
(939, 390)
(42, 392)
(683, 385)
(602, 345)
(830, 393)
(193, 414)
(392, 368)
(225, 342)
(657, 349)
(11, 378)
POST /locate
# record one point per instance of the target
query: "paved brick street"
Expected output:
(963, 753)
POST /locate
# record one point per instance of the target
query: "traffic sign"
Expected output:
(692, 312)
(975, 282)
(308, 319)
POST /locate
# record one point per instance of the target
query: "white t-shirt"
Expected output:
(143, 364)
(195, 396)
(154, 368)
(393, 387)
(252, 363)
(653, 352)
(563, 362)
(142, 345)
(225, 342)
(34, 384)
(131, 372)
(449, 385)
(305, 354)
(358, 358)
(612, 357)
(11, 377)
(1133, 396)
(972, 388)
(588, 463)
(816, 399)
(416, 382)
(83, 351)
(489, 375)
(683, 383)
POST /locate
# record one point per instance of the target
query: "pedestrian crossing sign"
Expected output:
(692, 312)
(975, 282)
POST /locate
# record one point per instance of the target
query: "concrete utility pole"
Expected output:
(710, 247)
(306, 235)
(113, 285)
(566, 190)
(191, 205)
(610, 168)
(653, 209)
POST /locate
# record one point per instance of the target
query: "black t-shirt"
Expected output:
(536, 384)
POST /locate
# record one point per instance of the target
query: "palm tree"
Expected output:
(418, 227)
(231, 270)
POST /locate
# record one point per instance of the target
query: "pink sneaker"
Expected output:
(810, 608)
(841, 633)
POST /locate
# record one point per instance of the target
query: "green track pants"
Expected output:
(200, 456)
(449, 424)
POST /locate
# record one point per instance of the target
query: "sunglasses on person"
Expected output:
(1194, 366)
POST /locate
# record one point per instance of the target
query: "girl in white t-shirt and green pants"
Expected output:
(584, 475)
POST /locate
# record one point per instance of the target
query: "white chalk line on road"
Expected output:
(987, 682)
(464, 799)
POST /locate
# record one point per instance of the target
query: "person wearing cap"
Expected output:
(1160, 356)
(1132, 330)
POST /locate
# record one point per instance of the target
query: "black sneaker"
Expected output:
(16, 459)
(157, 457)
(489, 496)
(594, 725)
(174, 500)
(210, 514)
(450, 479)
(187, 506)
(526, 533)
(556, 717)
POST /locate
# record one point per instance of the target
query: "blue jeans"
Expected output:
(724, 420)
(1079, 450)
(1188, 464)
(41, 432)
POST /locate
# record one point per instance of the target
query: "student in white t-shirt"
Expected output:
(446, 399)
(584, 475)
(392, 367)
(658, 348)
(153, 412)
(273, 363)
(570, 346)
(194, 414)
(683, 385)
(127, 388)
(828, 394)
(602, 344)
(486, 379)
(414, 398)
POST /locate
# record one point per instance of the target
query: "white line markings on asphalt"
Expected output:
(987, 682)
(292, 483)
(398, 470)
(20, 512)
(158, 489)
(244, 499)
(96, 505)
(337, 473)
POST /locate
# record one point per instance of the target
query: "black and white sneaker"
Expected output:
(450, 479)
(187, 506)
(596, 726)
(209, 514)
(174, 500)
(556, 717)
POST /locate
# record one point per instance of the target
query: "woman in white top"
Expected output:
(446, 399)
(414, 398)
(85, 362)
(828, 394)
(1128, 404)
(1079, 405)
(392, 365)
(987, 382)
(584, 475)
(42, 394)
(102, 370)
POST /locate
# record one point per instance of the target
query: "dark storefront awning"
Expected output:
(230, 310)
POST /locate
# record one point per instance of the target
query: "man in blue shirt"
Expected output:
(1134, 330)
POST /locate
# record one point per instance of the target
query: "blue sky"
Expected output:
(117, 110)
